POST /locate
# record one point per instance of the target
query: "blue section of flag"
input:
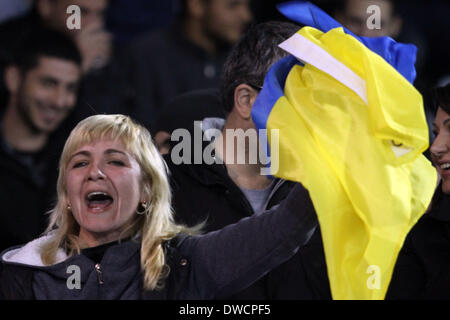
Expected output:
(399, 55)
(273, 90)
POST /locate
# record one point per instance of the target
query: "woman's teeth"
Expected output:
(98, 200)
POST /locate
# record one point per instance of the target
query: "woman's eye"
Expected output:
(117, 163)
(80, 164)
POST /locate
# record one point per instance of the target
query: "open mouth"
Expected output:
(98, 200)
(445, 166)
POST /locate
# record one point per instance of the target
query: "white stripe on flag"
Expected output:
(309, 52)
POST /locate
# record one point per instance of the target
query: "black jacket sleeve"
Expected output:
(16, 283)
(230, 259)
(409, 277)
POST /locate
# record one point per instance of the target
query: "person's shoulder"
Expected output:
(16, 282)
(181, 170)
(177, 241)
(427, 232)
(190, 178)
(429, 221)
(175, 250)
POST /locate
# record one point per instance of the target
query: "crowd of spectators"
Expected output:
(166, 64)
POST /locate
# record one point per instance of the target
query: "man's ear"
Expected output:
(195, 8)
(244, 97)
(12, 79)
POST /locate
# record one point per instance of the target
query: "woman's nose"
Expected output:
(439, 147)
(95, 173)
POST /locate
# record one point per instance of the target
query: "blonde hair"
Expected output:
(155, 226)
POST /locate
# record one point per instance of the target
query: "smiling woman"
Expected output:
(423, 269)
(113, 222)
(440, 150)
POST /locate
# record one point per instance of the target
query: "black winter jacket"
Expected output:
(422, 270)
(214, 265)
(27, 192)
(203, 192)
(177, 66)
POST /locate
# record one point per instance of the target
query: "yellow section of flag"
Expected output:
(361, 162)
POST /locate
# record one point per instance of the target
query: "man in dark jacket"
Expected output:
(227, 190)
(102, 89)
(185, 56)
(42, 83)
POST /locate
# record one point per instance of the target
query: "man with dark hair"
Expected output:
(42, 83)
(92, 40)
(103, 90)
(185, 56)
(247, 64)
(227, 190)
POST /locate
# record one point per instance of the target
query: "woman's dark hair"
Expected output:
(442, 98)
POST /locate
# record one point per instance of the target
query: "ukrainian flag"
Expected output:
(352, 130)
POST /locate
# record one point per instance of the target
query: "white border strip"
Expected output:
(309, 52)
(399, 151)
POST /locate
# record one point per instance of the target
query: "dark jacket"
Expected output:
(11, 32)
(207, 266)
(203, 192)
(27, 191)
(422, 270)
(164, 64)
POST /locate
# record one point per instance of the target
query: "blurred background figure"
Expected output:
(12, 8)
(182, 111)
(101, 88)
(353, 14)
(421, 23)
(187, 55)
(139, 54)
(42, 82)
(93, 41)
(424, 23)
(127, 19)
